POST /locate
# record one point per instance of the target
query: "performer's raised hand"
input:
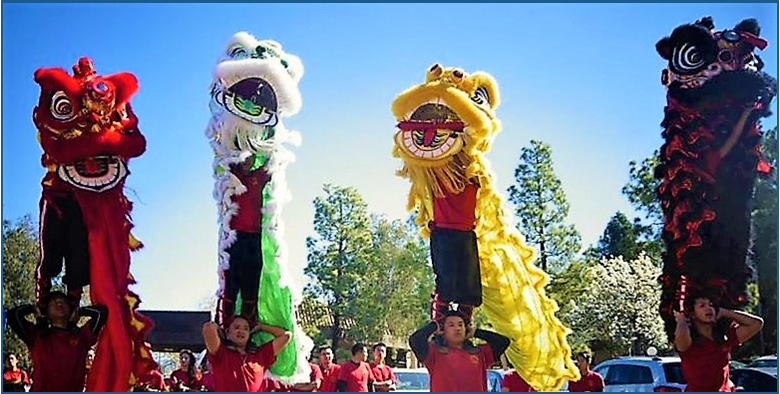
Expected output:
(681, 317)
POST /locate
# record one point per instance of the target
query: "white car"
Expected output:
(642, 374)
(764, 362)
(412, 379)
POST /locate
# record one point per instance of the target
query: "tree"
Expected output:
(620, 238)
(641, 191)
(20, 258)
(395, 289)
(541, 206)
(619, 307)
(340, 252)
(571, 282)
(765, 242)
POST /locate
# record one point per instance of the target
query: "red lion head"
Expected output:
(86, 126)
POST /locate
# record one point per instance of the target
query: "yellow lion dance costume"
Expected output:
(447, 124)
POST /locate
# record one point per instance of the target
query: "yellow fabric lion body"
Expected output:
(514, 299)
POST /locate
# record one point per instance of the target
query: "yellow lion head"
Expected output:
(445, 125)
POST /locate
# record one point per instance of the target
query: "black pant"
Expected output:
(456, 264)
(246, 263)
(63, 237)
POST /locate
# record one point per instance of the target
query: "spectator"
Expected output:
(14, 378)
(355, 375)
(183, 379)
(589, 380)
(385, 378)
(315, 380)
(152, 381)
(330, 370)
(513, 382)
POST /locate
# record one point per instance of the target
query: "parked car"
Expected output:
(755, 379)
(736, 365)
(412, 379)
(659, 374)
(764, 362)
(494, 379)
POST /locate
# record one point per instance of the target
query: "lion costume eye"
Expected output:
(238, 53)
(481, 97)
(61, 107)
(687, 58)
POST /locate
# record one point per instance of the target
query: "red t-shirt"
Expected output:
(314, 376)
(383, 373)
(236, 372)
(208, 381)
(705, 365)
(179, 376)
(456, 211)
(330, 377)
(15, 380)
(457, 369)
(592, 381)
(153, 380)
(249, 203)
(356, 376)
(60, 358)
(515, 383)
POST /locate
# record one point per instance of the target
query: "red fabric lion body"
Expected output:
(88, 132)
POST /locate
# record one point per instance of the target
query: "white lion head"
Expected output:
(255, 84)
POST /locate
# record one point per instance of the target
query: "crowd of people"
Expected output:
(61, 354)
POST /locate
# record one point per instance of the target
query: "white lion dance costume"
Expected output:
(255, 85)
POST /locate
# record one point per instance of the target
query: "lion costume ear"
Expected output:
(293, 65)
(484, 81)
(664, 48)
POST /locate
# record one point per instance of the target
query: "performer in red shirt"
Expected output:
(705, 339)
(453, 362)
(14, 378)
(589, 380)
(385, 378)
(514, 383)
(454, 253)
(356, 375)
(246, 257)
(58, 347)
(315, 381)
(330, 370)
(236, 364)
(152, 381)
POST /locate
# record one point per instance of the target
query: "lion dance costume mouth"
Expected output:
(255, 85)
(716, 94)
(88, 132)
(446, 126)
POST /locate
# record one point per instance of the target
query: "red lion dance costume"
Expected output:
(88, 133)
(708, 164)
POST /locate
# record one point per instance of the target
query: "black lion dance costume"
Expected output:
(709, 162)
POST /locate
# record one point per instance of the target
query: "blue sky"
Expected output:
(584, 78)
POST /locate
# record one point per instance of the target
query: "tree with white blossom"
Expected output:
(619, 307)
